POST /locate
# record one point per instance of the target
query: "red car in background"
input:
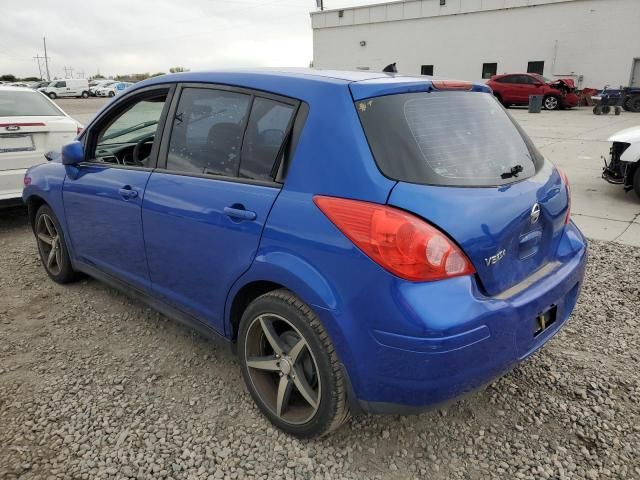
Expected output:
(515, 88)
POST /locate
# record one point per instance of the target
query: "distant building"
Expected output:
(596, 42)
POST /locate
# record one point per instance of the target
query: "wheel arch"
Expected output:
(272, 271)
(34, 202)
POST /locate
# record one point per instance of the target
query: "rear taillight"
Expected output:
(565, 182)
(399, 242)
(79, 130)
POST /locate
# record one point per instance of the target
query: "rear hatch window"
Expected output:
(458, 139)
(25, 104)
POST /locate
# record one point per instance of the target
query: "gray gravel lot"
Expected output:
(94, 385)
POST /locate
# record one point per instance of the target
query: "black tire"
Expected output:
(85, 94)
(111, 94)
(606, 110)
(636, 181)
(551, 102)
(634, 103)
(52, 95)
(62, 272)
(281, 309)
(626, 105)
(597, 110)
(617, 110)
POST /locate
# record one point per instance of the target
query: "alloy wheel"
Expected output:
(551, 103)
(49, 243)
(282, 369)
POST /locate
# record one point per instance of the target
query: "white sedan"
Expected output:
(30, 126)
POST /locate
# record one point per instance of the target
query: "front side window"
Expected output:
(127, 138)
(268, 124)
(61, 84)
(206, 136)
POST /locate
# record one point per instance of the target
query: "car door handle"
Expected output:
(127, 192)
(239, 213)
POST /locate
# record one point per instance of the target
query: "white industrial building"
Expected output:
(597, 42)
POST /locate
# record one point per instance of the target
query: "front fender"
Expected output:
(632, 153)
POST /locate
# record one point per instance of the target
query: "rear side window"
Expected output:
(447, 138)
(266, 130)
(27, 103)
(207, 132)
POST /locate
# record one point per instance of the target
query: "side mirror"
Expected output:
(72, 153)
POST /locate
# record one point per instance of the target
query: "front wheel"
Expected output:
(634, 103)
(290, 366)
(85, 95)
(52, 247)
(111, 94)
(551, 103)
(52, 96)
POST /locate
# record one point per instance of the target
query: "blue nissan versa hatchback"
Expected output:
(366, 242)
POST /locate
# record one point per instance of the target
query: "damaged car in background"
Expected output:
(515, 89)
(623, 167)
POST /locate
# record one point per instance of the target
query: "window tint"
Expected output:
(507, 79)
(266, 130)
(207, 131)
(446, 138)
(61, 84)
(27, 103)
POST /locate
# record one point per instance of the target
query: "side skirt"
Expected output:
(155, 303)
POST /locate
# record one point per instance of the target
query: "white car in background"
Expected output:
(113, 89)
(96, 85)
(30, 126)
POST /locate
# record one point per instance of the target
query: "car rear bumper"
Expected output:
(11, 183)
(469, 340)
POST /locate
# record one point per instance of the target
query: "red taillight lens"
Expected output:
(565, 182)
(396, 240)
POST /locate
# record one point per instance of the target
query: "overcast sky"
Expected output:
(137, 36)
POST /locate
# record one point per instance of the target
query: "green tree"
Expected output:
(8, 78)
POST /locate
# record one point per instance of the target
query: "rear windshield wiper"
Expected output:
(514, 172)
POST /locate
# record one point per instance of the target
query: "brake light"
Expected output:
(399, 242)
(565, 182)
(451, 85)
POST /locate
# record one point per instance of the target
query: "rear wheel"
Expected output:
(52, 247)
(634, 104)
(290, 366)
(111, 94)
(551, 103)
(52, 96)
(85, 94)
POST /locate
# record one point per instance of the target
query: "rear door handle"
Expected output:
(239, 213)
(127, 192)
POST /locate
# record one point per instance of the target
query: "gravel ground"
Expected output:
(94, 385)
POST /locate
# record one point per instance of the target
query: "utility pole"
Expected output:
(68, 72)
(37, 58)
(46, 58)
(320, 4)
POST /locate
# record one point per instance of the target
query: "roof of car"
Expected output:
(301, 82)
